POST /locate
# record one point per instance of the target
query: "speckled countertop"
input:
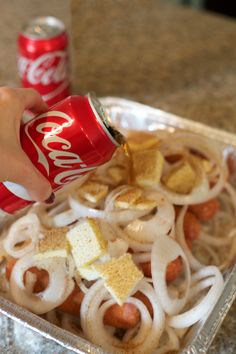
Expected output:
(170, 57)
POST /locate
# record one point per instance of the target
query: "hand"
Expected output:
(15, 166)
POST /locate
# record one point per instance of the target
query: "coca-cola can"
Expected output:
(71, 139)
(43, 58)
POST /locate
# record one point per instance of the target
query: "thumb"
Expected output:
(29, 177)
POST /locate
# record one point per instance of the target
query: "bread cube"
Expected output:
(147, 166)
(181, 179)
(121, 276)
(86, 242)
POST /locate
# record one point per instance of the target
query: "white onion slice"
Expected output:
(158, 224)
(172, 342)
(58, 208)
(58, 289)
(230, 256)
(81, 210)
(164, 251)
(65, 218)
(111, 197)
(148, 334)
(200, 194)
(209, 148)
(200, 311)
(230, 190)
(117, 248)
(213, 152)
(119, 216)
(144, 328)
(141, 257)
(135, 245)
(27, 230)
(194, 263)
(107, 230)
(214, 241)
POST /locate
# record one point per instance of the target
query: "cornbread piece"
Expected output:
(93, 191)
(53, 243)
(144, 204)
(147, 166)
(117, 173)
(181, 179)
(141, 141)
(121, 276)
(127, 199)
(86, 242)
(205, 164)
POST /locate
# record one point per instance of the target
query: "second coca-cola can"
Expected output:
(43, 58)
(69, 140)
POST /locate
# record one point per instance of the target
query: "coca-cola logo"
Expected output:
(49, 68)
(69, 163)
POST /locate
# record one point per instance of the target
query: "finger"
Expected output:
(37, 185)
(32, 100)
(23, 172)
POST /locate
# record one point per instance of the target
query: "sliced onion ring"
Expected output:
(147, 337)
(116, 216)
(213, 152)
(164, 251)
(64, 219)
(27, 229)
(194, 263)
(58, 289)
(172, 342)
(160, 223)
(199, 311)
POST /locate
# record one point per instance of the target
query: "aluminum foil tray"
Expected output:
(131, 115)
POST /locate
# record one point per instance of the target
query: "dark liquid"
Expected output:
(128, 154)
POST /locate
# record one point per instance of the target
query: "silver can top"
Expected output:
(43, 27)
(105, 121)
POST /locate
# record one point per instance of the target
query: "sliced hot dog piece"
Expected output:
(205, 211)
(125, 316)
(139, 295)
(42, 277)
(73, 303)
(192, 226)
(174, 269)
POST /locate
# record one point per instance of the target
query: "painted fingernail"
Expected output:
(51, 199)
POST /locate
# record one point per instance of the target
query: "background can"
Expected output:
(69, 140)
(43, 58)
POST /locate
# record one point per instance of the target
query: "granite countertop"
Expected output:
(174, 58)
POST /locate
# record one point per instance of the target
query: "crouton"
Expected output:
(86, 242)
(53, 243)
(144, 204)
(117, 173)
(181, 179)
(205, 164)
(93, 191)
(127, 199)
(141, 141)
(147, 166)
(121, 276)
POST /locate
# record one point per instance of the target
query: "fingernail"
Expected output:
(51, 199)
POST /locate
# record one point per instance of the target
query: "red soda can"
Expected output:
(43, 61)
(69, 140)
